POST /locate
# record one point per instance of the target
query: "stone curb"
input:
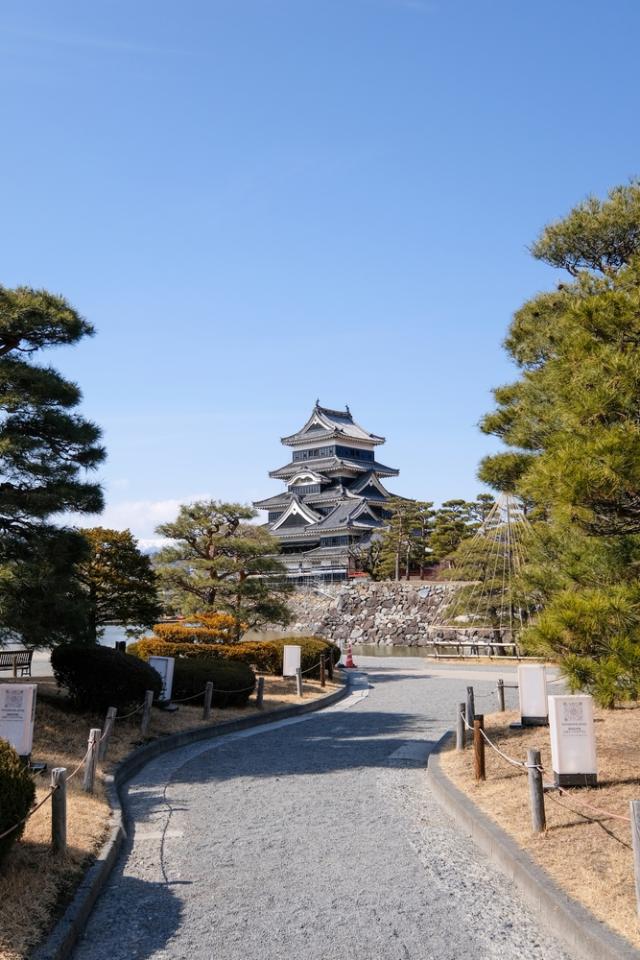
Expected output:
(586, 936)
(64, 936)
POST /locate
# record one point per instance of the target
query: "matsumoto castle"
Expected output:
(334, 498)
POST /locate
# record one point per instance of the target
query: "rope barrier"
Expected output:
(511, 760)
(599, 810)
(315, 666)
(80, 765)
(29, 815)
(133, 712)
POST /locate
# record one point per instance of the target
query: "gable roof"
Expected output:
(325, 423)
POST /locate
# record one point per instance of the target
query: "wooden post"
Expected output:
(15, 665)
(107, 730)
(536, 791)
(501, 706)
(260, 693)
(146, 713)
(634, 813)
(59, 810)
(92, 759)
(330, 665)
(460, 730)
(299, 681)
(478, 747)
(208, 697)
(471, 707)
(323, 681)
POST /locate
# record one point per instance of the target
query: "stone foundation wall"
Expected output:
(385, 613)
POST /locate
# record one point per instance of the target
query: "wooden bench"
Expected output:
(16, 660)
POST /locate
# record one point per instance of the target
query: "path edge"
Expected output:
(62, 939)
(586, 936)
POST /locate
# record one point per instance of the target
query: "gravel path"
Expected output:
(314, 839)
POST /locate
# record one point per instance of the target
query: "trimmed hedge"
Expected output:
(233, 683)
(265, 655)
(97, 677)
(17, 793)
(189, 633)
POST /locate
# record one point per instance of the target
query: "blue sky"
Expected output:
(261, 202)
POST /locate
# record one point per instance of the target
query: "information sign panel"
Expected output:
(290, 660)
(17, 715)
(532, 690)
(164, 666)
(573, 741)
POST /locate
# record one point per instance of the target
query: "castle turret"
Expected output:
(334, 498)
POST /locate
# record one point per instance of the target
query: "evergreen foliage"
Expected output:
(97, 677)
(45, 449)
(119, 581)
(17, 794)
(221, 563)
(571, 423)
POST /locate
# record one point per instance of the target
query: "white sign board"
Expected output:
(573, 741)
(164, 666)
(532, 690)
(290, 660)
(17, 715)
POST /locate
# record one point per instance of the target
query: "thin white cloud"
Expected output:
(140, 516)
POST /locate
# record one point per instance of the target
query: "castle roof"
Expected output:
(327, 424)
(336, 465)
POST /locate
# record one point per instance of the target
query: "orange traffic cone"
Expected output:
(349, 661)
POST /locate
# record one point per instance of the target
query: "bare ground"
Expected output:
(587, 853)
(34, 886)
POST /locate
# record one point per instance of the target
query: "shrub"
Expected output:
(186, 633)
(265, 655)
(312, 649)
(17, 793)
(594, 635)
(233, 683)
(98, 677)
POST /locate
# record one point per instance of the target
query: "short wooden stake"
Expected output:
(260, 693)
(330, 666)
(460, 729)
(536, 791)
(501, 706)
(299, 681)
(471, 707)
(634, 812)
(146, 713)
(14, 660)
(107, 730)
(91, 760)
(208, 697)
(478, 747)
(59, 810)
(323, 681)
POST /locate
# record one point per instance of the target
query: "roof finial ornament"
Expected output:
(347, 409)
(317, 402)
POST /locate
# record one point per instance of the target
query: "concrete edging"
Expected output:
(586, 936)
(64, 936)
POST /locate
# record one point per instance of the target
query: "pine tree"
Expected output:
(571, 423)
(45, 449)
(219, 562)
(119, 581)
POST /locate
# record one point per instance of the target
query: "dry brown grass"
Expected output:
(588, 855)
(34, 886)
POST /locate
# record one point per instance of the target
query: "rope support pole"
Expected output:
(146, 713)
(107, 730)
(536, 791)
(478, 748)
(208, 697)
(501, 706)
(91, 760)
(59, 811)
(460, 731)
(260, 693)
